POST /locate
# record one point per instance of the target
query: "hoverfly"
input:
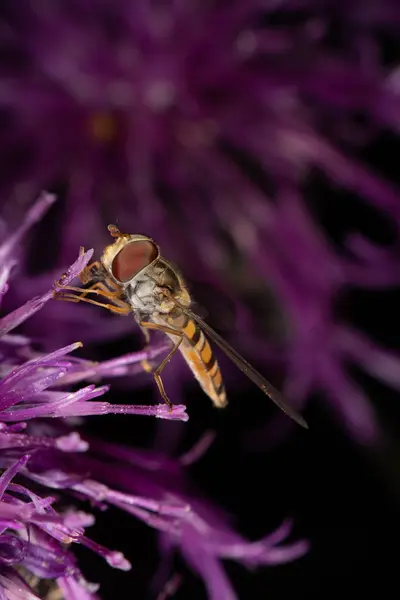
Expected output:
(133, 277)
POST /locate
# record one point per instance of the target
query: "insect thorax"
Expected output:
(143, 291)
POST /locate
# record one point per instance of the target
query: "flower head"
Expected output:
(203, 125)
(44, 458)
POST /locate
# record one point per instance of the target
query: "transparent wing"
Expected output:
(214, 303)
(247, 369)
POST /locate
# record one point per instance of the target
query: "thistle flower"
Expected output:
(53, 460)
(188, 118)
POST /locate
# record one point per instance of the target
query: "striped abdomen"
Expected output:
(198, 354)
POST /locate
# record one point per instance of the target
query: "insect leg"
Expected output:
(97, 288)
(122, 310)
(114, 286)
(158, 370)
(86, 274)
(146, 366)
(146, 335)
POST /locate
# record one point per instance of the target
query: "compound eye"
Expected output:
(133, 257)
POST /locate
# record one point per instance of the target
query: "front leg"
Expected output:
(73, 294)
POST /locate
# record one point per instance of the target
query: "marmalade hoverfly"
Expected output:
(133, 277)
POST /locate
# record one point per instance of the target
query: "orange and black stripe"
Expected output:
(206, 367)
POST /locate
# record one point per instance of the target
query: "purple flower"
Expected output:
(183, 120)
(40, 446)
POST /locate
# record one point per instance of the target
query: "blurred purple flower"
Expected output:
(182, 119)
(35, 537)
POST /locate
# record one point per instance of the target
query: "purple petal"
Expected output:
(208, 567)
(34, 215)
(77, 590)
(160, 411)
(33, 377)
(22, 313)
(9, 474)
(43, 562)
(114, 559)
(115, 367)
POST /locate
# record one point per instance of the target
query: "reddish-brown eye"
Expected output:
(133, 258)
